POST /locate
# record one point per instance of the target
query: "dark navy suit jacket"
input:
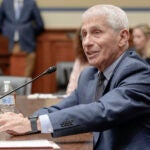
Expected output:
(28, 25)
(121, 117)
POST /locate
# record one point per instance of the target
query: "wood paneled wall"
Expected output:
(52, 46)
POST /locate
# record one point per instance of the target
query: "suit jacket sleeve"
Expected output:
(1, 16)
(38, 21)
(127, 99)
(65, 103)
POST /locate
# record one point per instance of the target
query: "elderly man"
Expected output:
(112, 99)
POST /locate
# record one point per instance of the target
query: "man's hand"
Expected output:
(15, 124)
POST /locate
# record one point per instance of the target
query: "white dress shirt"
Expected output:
(18, 4)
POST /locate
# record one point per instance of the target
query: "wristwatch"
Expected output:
(33, 122)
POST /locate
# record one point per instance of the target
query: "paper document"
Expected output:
(46, 96)
(29, 144)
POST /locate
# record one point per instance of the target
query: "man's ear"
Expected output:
(124, 37)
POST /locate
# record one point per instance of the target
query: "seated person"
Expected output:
(80, 63)
(141, 40)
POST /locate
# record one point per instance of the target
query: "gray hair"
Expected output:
(116, 17)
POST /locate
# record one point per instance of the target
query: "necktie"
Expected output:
(99, 91)
(100, 86)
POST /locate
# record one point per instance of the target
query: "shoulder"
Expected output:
(31, 2)
(4, 1)
(77, 62)
(131, 69)
(89, 73)
(132, 61)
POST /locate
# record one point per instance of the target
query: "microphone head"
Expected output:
(50, 70)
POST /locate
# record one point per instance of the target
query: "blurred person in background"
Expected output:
(21, 22)
(141, 40)
(131, 38)
(80, 63)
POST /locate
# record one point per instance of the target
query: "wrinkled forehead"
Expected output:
(93, 21)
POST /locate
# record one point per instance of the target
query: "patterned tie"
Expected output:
(99, 91)
(100, 86)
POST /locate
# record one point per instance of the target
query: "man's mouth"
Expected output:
(92, 55)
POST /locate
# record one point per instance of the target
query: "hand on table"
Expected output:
(15, 124)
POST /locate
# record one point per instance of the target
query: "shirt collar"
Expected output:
(108, 71)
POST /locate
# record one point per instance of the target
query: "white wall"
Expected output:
(71, 19)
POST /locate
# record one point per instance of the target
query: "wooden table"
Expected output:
(74, 142)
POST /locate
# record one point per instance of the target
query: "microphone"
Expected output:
(48, 71)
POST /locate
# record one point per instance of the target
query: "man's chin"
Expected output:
(93, 64)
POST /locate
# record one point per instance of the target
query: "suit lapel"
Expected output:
(23, 10)
(108, 86)
(11, 8)
(92, 83)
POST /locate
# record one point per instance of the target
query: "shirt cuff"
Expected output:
(46, 126)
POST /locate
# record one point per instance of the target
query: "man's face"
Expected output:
(100, 42)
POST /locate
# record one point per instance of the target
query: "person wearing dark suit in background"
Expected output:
(113, 94)
(21, 22)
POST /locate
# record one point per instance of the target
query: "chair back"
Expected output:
(63, 74)
(17, 82)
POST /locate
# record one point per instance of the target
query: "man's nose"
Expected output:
(87, 40)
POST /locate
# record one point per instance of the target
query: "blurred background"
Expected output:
(67, 13)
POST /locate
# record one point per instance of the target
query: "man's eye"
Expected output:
(97, 32)
(83, 35)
